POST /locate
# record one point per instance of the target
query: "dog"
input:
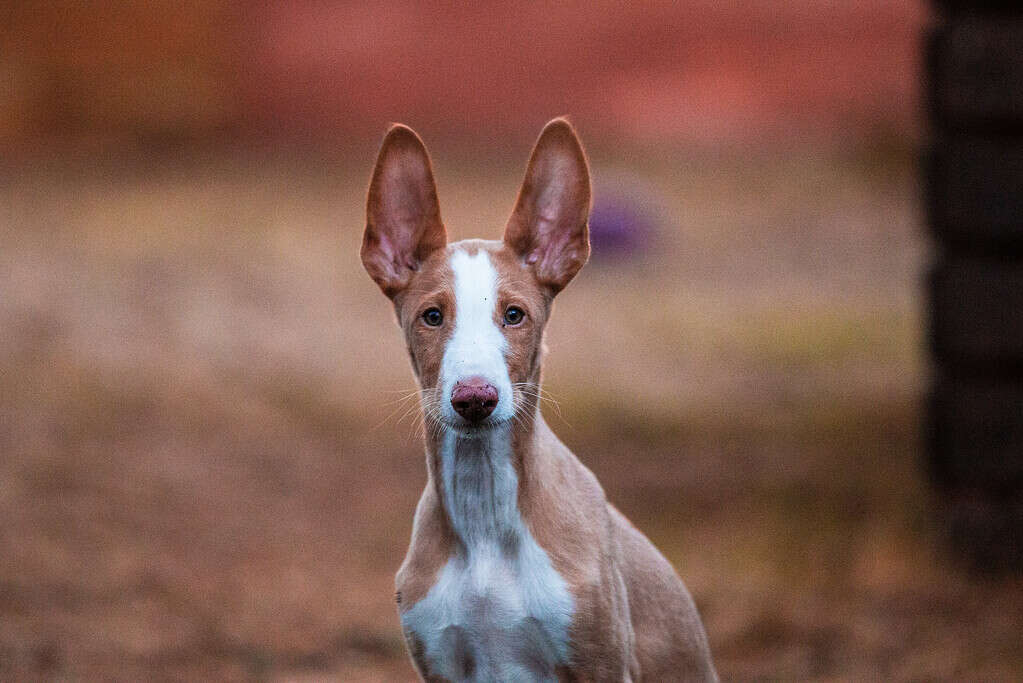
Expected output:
(519, 569)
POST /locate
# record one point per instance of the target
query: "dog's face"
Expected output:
(473, 312)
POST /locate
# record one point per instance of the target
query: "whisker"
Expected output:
(534, 390)
(399, 408)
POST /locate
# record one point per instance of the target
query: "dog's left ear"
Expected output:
(403, 225)
(548, 227)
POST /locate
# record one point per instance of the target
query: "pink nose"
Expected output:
(473, 398)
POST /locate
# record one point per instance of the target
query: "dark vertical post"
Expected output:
(974, 195)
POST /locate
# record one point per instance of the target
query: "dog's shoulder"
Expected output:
(670, 638)
(431, 546)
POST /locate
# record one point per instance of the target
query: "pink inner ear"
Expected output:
(548, 226)
(561, 252)
(395, 254)
(556, 223)
(403, 223)
(397, 257)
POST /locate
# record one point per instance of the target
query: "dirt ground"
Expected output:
(206, 472)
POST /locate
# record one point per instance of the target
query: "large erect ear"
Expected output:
(403, 223)
(548, 228)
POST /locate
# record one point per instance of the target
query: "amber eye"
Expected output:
(514, 315)
(433, 317)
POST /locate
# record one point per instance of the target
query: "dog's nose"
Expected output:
(474, 398)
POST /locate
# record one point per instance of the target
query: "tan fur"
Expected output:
(403, 224)
(633, 618)
(431, 289)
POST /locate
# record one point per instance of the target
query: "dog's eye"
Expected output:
(433, 317)
(514, 315)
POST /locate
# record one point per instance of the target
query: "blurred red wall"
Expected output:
(685, 71)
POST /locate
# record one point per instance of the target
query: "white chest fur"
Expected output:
(499, 611)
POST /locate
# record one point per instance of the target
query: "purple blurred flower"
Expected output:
(621, 224)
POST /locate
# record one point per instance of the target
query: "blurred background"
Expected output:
(206, 472)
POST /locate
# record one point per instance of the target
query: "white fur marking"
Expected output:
(499, 611)
(477, 345)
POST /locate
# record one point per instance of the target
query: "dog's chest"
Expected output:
(492, 618)
(498, 610)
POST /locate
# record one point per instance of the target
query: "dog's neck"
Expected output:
(480, 478)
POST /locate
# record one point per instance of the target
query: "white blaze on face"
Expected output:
(477, 345)
(499, 610)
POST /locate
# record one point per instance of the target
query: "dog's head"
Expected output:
(473, 312)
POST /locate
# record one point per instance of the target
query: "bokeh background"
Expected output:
(206, 470)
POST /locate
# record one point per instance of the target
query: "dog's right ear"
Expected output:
(548, 228)
(403, 225)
